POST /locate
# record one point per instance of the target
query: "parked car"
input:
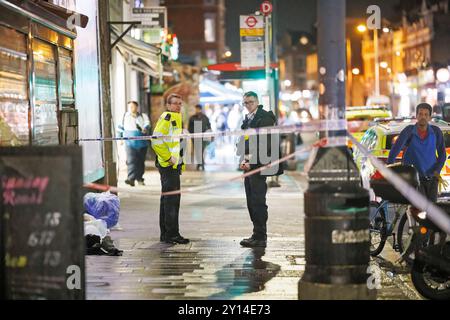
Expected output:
(362, 117)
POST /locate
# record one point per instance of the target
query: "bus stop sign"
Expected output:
(266, 8)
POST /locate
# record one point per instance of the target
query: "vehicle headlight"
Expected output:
(422, 215)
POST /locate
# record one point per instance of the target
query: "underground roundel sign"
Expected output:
(251, 21)
(266, 8)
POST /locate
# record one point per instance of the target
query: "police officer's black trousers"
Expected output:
(255, 191)
(169, 205)
(136, 163)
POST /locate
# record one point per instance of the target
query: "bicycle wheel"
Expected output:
(377, 228)
(403, 233)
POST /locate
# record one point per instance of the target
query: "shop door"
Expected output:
(14, 103)
(45, 130)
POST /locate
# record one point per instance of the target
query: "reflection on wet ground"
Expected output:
(248, 273)
(209, 269)
(213, 265)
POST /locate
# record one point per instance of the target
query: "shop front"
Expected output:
(37, 83)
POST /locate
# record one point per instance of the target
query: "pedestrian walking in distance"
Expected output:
(135, 124)
(199, 123)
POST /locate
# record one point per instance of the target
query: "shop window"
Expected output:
(14, 105)
(44, 115)
(66, 78)
(210, 27)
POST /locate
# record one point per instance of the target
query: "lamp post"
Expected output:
(336, 208)
(362, 28)
(377, 65)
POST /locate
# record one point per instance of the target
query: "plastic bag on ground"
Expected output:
(104, 206)
(96, 227)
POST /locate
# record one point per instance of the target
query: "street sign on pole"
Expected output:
(266, 8)
(151, 17)
(153, 20)
(252, 41)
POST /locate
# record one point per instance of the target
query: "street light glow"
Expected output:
(383, 64)
(361, 28)
(355, 71)
(386, 30)
(228, 54)
(443, 75)
(304, 40)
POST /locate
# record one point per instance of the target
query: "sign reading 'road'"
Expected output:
(41, 223)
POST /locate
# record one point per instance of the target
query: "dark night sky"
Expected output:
(298, 15)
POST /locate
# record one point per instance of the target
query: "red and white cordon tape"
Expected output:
(436, 214)
(104, 188)
(311, 126)
(320, 143)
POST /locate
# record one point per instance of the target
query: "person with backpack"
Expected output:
(256, 151)
(135, 124)
(425, 150)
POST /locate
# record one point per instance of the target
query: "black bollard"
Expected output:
(337, 238)
(336, 207)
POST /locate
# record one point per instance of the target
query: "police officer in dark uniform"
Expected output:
(252, 150)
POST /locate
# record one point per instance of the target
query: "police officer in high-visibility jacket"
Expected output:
(170, 164)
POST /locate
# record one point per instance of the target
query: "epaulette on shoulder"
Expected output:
(167, 117)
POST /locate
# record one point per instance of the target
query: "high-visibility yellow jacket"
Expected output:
(169, 124)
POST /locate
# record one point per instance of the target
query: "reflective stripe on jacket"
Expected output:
(169, 123)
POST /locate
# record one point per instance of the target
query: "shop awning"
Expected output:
(47, 14)
(216, 93)
(140, 55)
(235, 71)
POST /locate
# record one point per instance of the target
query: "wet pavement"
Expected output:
(214, 265)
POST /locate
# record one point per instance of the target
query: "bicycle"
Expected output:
(382, 225)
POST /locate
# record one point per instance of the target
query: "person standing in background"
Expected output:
(135, 124)
(199, 122)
